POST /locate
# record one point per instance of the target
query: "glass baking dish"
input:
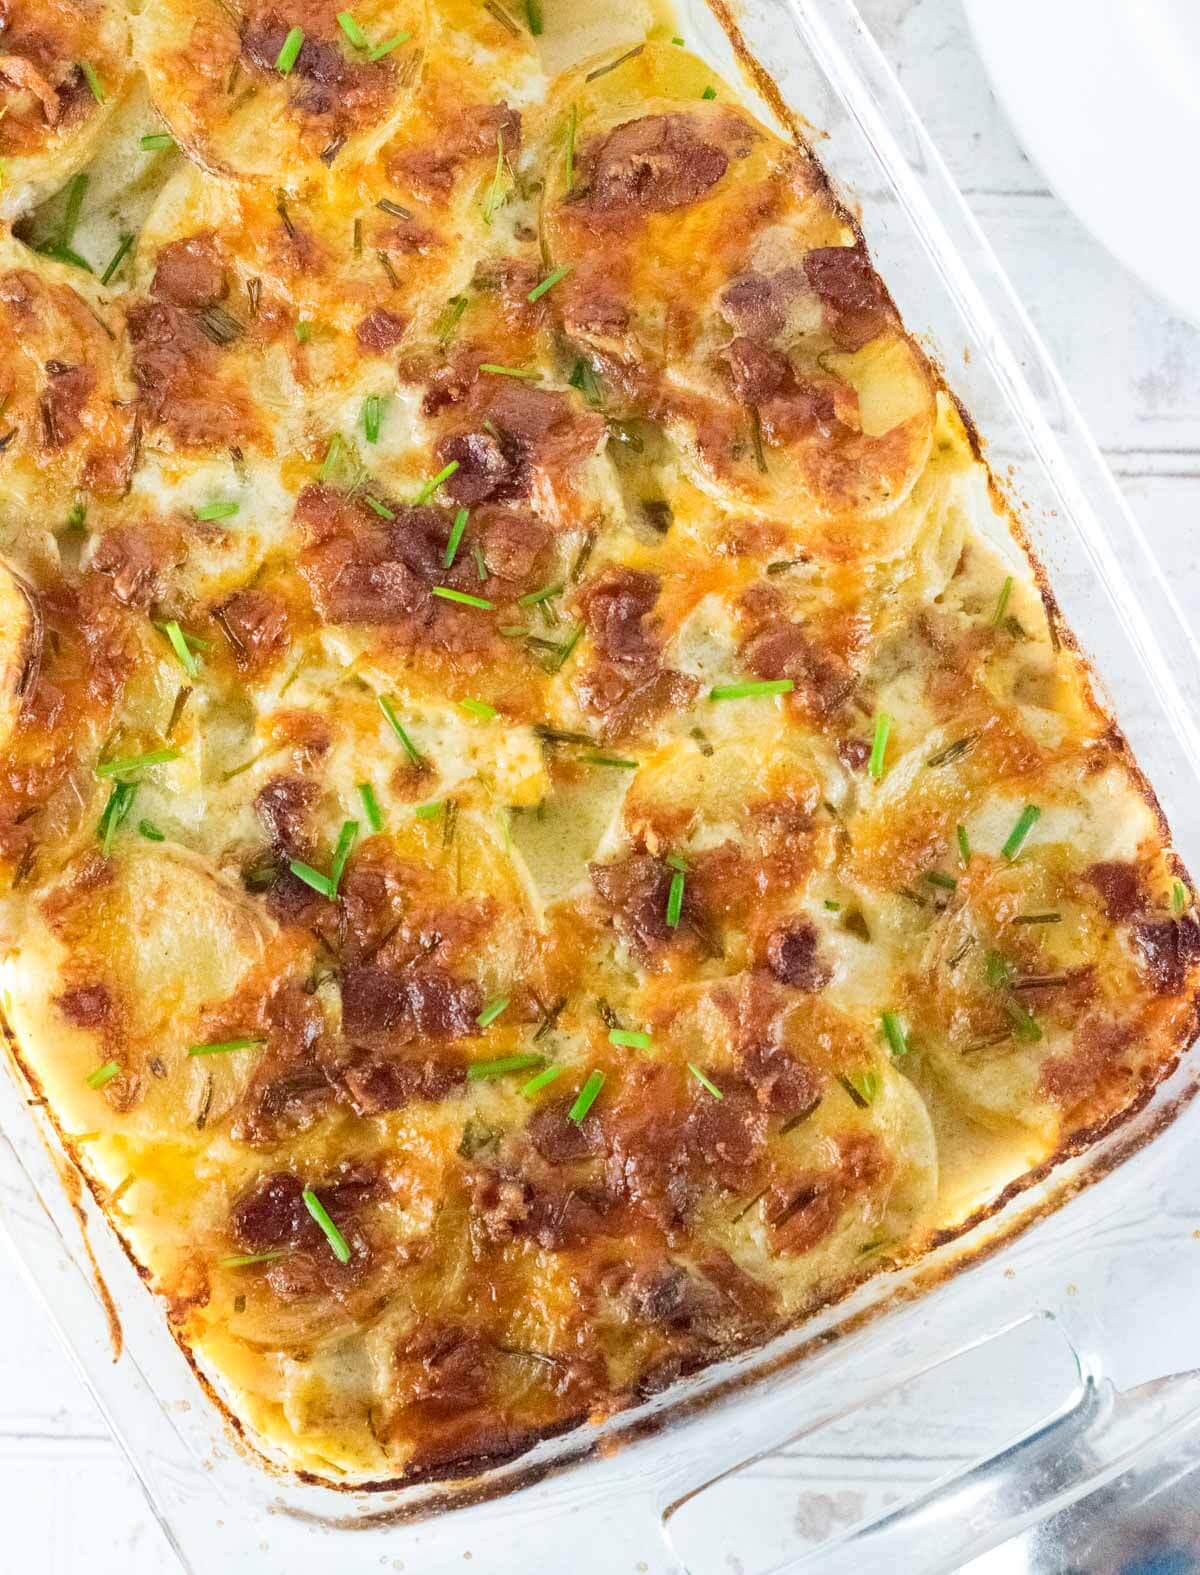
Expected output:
(1062, 1352)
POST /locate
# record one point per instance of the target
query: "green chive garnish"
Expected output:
(709, 92)
(223, 1046)
(393, 721)
(304, 330)
(586, 1097)
(341, 854)
(311, 877)
(611, 760)
(352, 30)
(678, 42)
(448, 594)
(116, 768)
(937, 878)
(675, 900)
(456, 536)
(509, 371)
(1178, 896)
(388, 45)
(434, 482)
(150, 831)
(181, 648)
(495, 191)
(480, 565)
(103, 1074)
(93, 81)
(243, 1260)
(479, 708)
(862, 1088)
(286, 58)
(532, 598)
(157, 142)
(492, 1010)
(629, 1039)
(1025, 1025)
(76, 192)
(332, 1235)
(117, 258)
(883, 726)
(536, 1084)
(333, 454)
(377, 507)
(893, 1032)
(533, 11)
(480, 1071)
(120, 802)
(997, 970)
(572, 122)
(1002, 602)
(746, 691)
(429, 811)
(372, 417)
(964, 845)
(371, 807)
(217, 511)
(548, 283)
(704, 1082)
(1026, 821)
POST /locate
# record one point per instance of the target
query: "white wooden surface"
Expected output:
(70, 1503)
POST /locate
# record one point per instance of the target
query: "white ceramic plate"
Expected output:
(1105, 97)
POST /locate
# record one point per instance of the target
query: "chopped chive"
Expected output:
(1037, 918)
(602, 71)
(67, 254)
(393, 721)
(150, 831)
(352, 30)
(1026, 821)
(893, 1032)
(568, 646)
(678, 42)
(372, 417)
(120, 802)
(883, 726)
(532, 598)
(371, 807)
(675, 900)
(495, 190)
(429, 811)
(569, 140)
(217, 511)
(536, 1084)
(75, 195)
(156, 142)
(834, 907)
(332, 458)
(448, 594)
(704, 1082)
(341, 853)
(709, 92)
(1025, 1025)
(103, 1074)
(434, 482)
(629, 1039)
(93, 81)
(746, 691)
(388, 45)
(291, 47)
(450, 318)
(115, 768)
(456, 536)
(611, 760)
(533, 12)
(303, 331)
(356, 232)
(377, 507)
(1178, 896)
(509, 371)
(223, 1046)
(311, 877)
(478, 1071)
(397, 211)
(953, 751)
(1002, 602)
(548, 283)
(479, 708)
(997, 970)
(937, 878)
(676, 862)
(243, 1260)
(332, 1235)
(117, 258)
(480, 565)
(182, 649)
(862, 1088)
(964, 845)
(586, 1097)
(492, 1010)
